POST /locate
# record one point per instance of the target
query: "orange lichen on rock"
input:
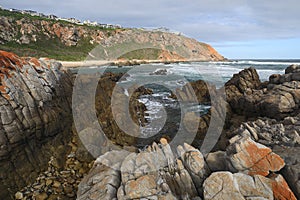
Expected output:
(35, 61)
(262, 160)
(254, 158)
(8, 59)
(9, 63)
(281, 189)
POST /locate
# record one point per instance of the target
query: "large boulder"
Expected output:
(35, 115)
(225, 185)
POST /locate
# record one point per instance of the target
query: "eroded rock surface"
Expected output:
(160, 173)
(35, 118)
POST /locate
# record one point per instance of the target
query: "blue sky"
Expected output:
(236, 28)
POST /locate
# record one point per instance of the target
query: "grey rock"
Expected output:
(31, 118)
(225, 185)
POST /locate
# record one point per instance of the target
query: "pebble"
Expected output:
(19, 195)
(57, 183)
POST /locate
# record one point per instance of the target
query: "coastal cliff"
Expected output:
(33, 36)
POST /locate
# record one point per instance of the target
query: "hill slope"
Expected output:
(40, 37)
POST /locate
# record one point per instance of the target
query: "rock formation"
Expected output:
(277, 98)
(273, 108)
(256, 159)
(153, 173)
(283, 138)
(35, 118)
(160, 173)
(225, 185)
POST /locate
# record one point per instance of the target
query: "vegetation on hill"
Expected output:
(48, 43)
(37, 36)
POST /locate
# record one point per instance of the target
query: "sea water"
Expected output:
(176, 75)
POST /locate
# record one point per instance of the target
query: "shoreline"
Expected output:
(78, 64)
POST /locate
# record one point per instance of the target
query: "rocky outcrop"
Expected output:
(282, 137)
(160, 173)
(277, 98)
(35, 118)
(156, 173)
(113, 107)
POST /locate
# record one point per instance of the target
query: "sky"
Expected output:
(237, 29)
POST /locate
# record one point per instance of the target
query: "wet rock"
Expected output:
(112, 115)
(160, 72)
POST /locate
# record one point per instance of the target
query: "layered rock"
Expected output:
(35, 118)
(160, 173)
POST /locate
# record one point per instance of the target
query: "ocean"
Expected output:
(175, 75)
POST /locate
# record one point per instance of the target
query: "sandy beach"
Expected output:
(76, 64)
